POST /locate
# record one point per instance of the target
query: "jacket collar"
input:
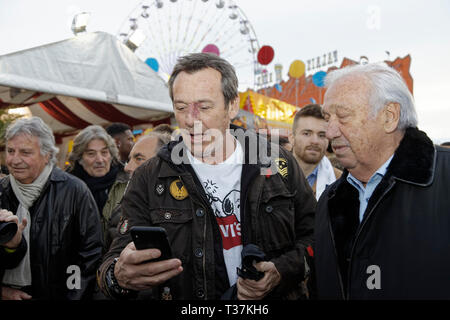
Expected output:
(415, 159)
(57, 174)
(413, 162)
(169, 168)
(122, 176)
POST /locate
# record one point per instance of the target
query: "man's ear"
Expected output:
(233, 108)
(291, 138)
(117, 141)
(391, 117)
(47, 158)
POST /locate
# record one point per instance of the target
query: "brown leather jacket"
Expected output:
(277, 214)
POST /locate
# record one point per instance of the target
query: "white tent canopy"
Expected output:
(90, 79)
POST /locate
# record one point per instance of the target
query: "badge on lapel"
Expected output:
(282, 167)
(123, 225)
(178, 190)
(159, 189)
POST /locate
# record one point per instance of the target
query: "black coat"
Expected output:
(405, 232)
(65, 231)
(99, 186)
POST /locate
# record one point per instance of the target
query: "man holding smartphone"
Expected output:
(214, 190)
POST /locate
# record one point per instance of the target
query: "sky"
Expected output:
(295, 29)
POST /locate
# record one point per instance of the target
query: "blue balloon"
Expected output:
(152, 63)
(312, 100)
(318, 78)
(278, 87)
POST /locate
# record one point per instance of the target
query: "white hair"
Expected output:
(386, 86)
(34, 126)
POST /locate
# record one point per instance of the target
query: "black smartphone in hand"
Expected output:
(152, 238)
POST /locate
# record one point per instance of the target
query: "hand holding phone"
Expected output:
(138, 270)
(152, 238)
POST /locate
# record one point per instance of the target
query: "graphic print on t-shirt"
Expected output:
(222, 184)
(225, 211)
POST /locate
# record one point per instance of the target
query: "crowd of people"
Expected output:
(245, 218)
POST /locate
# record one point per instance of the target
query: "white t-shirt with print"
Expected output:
(222, 185)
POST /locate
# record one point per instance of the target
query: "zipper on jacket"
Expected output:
(341, 283)
(245, 186)
(358, 234)
(255, 218)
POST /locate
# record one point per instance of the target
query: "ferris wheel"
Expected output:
(168, 29)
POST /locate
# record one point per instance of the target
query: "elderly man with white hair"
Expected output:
(382, 230)
(58, 244)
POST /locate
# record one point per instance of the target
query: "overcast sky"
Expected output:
(296, 29)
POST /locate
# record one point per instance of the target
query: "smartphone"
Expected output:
(152, 238)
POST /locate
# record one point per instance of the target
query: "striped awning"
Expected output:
(89, 79)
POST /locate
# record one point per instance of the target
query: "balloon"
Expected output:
(278, 87)
(211, 48)
(152, 63)
(265, 55)
(318, 78)
(297, 69)
(312, 100)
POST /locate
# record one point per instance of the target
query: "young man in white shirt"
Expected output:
(309, 147)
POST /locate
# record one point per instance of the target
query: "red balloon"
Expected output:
(211, 48)
(265, 55)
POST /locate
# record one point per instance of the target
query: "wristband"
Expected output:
(113, 287)
(8, 250)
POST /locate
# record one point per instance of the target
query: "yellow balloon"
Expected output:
(297, 69)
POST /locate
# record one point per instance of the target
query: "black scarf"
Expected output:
(99, 186)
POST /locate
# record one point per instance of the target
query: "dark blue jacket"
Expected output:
(401, 249)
